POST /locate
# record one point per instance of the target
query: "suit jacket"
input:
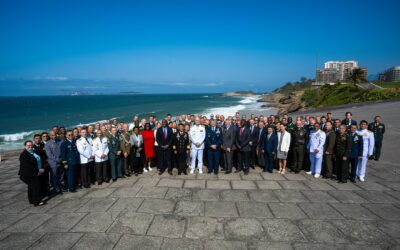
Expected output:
(229, 138)
(161, 140)
(357, 144)
(53, 152)
(243, 139)
(28, 165)
(269, 145)
(214, 138)
(254, 135)
(348, 123)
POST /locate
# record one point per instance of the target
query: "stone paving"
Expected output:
(255, 211)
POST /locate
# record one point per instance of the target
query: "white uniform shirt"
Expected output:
(368, 141)
(197, 134)
(317, 141)
(85, 149)
(100, 147)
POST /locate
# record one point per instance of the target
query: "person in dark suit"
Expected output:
(228, 145)
(30, 170)
(164, 141)
(242, 143)
(348, 121)
(70, 159)
(253, 127)
(38, 148)
(356, 151)
(269, 144)
(213, 144)
(342, 152)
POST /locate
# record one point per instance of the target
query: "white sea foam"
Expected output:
(16, 136)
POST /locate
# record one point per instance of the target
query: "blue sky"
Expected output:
(47, 47)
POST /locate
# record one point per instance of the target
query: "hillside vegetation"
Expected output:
(329, 95)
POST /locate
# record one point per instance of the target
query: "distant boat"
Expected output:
(79, 93)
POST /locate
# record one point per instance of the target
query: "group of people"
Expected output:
(64, 160)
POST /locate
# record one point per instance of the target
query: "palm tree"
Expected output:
(358, 75)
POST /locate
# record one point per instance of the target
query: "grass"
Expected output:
(388, 85)
(330, 95)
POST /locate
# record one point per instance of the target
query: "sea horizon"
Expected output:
(34, 114)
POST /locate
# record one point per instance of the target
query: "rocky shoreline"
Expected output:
(285, 103)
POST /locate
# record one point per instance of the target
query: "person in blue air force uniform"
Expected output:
(269, 144)
(213, 144)
(70, 159)
(356, 151)
(316, 149)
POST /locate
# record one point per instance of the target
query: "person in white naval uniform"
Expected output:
(85, 149)
(100, 151)
(368, 149)
(316, 149)
(197, 135)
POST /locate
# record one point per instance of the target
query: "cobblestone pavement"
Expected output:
(257, 211)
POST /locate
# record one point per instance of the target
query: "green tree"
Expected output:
(358, 75)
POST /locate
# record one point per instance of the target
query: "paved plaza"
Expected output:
(255, 211)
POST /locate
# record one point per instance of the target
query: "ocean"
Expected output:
(21, 117)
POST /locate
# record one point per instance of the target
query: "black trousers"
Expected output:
(342, 167)
(377, 149)
(181, 162)
(137, 162)
(353, 169)
(253, 156)
(101, 171)
(328, 165)
(164, 159)
(34, 189)
(298, 157)
(85, 174)
(245, 159)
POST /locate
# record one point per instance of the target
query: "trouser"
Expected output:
(342, 167)
(245, 158)
(44, 183)
(181, 162)
(115, 163)
(253, 156)
(269, 161)
(101, 171)
(362, 166)
(164, 159)
(213, 160)
(71, 175)
(328, 165)
(298, 157)
(56, 177)
(260, 156)
(137, 162)
(315, 163)
(196, 154)
(353, 169)
(92, 172)
(377, 149)
(85, 174)
(34, 192)
(128, 164)
(228, 160)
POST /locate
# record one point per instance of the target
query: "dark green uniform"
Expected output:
(299, 141)
(378, 129)
(342, 150)
(114, 147)
(328, 153)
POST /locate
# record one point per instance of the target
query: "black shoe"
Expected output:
(136, 174)
(252, 167)
(228, 172)
(72, 191)
(114, 180)
(39, 204)
(238, 171)
(99, 183)
(209, 172)
(264, 171)
(353, 180)
(107, 181)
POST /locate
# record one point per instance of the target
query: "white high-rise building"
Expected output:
(344, 68)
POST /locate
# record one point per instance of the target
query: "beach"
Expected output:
(236, 211)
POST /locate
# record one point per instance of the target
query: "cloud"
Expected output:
(52, 78)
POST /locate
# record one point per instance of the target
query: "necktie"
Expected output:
(213, 129)
(241, 131)
(165, 133)
(269, 135)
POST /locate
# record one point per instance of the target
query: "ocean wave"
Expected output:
(16, 137)
(226, 111)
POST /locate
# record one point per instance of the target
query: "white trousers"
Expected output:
(316, 164)
(196, 154)
(362, 166)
